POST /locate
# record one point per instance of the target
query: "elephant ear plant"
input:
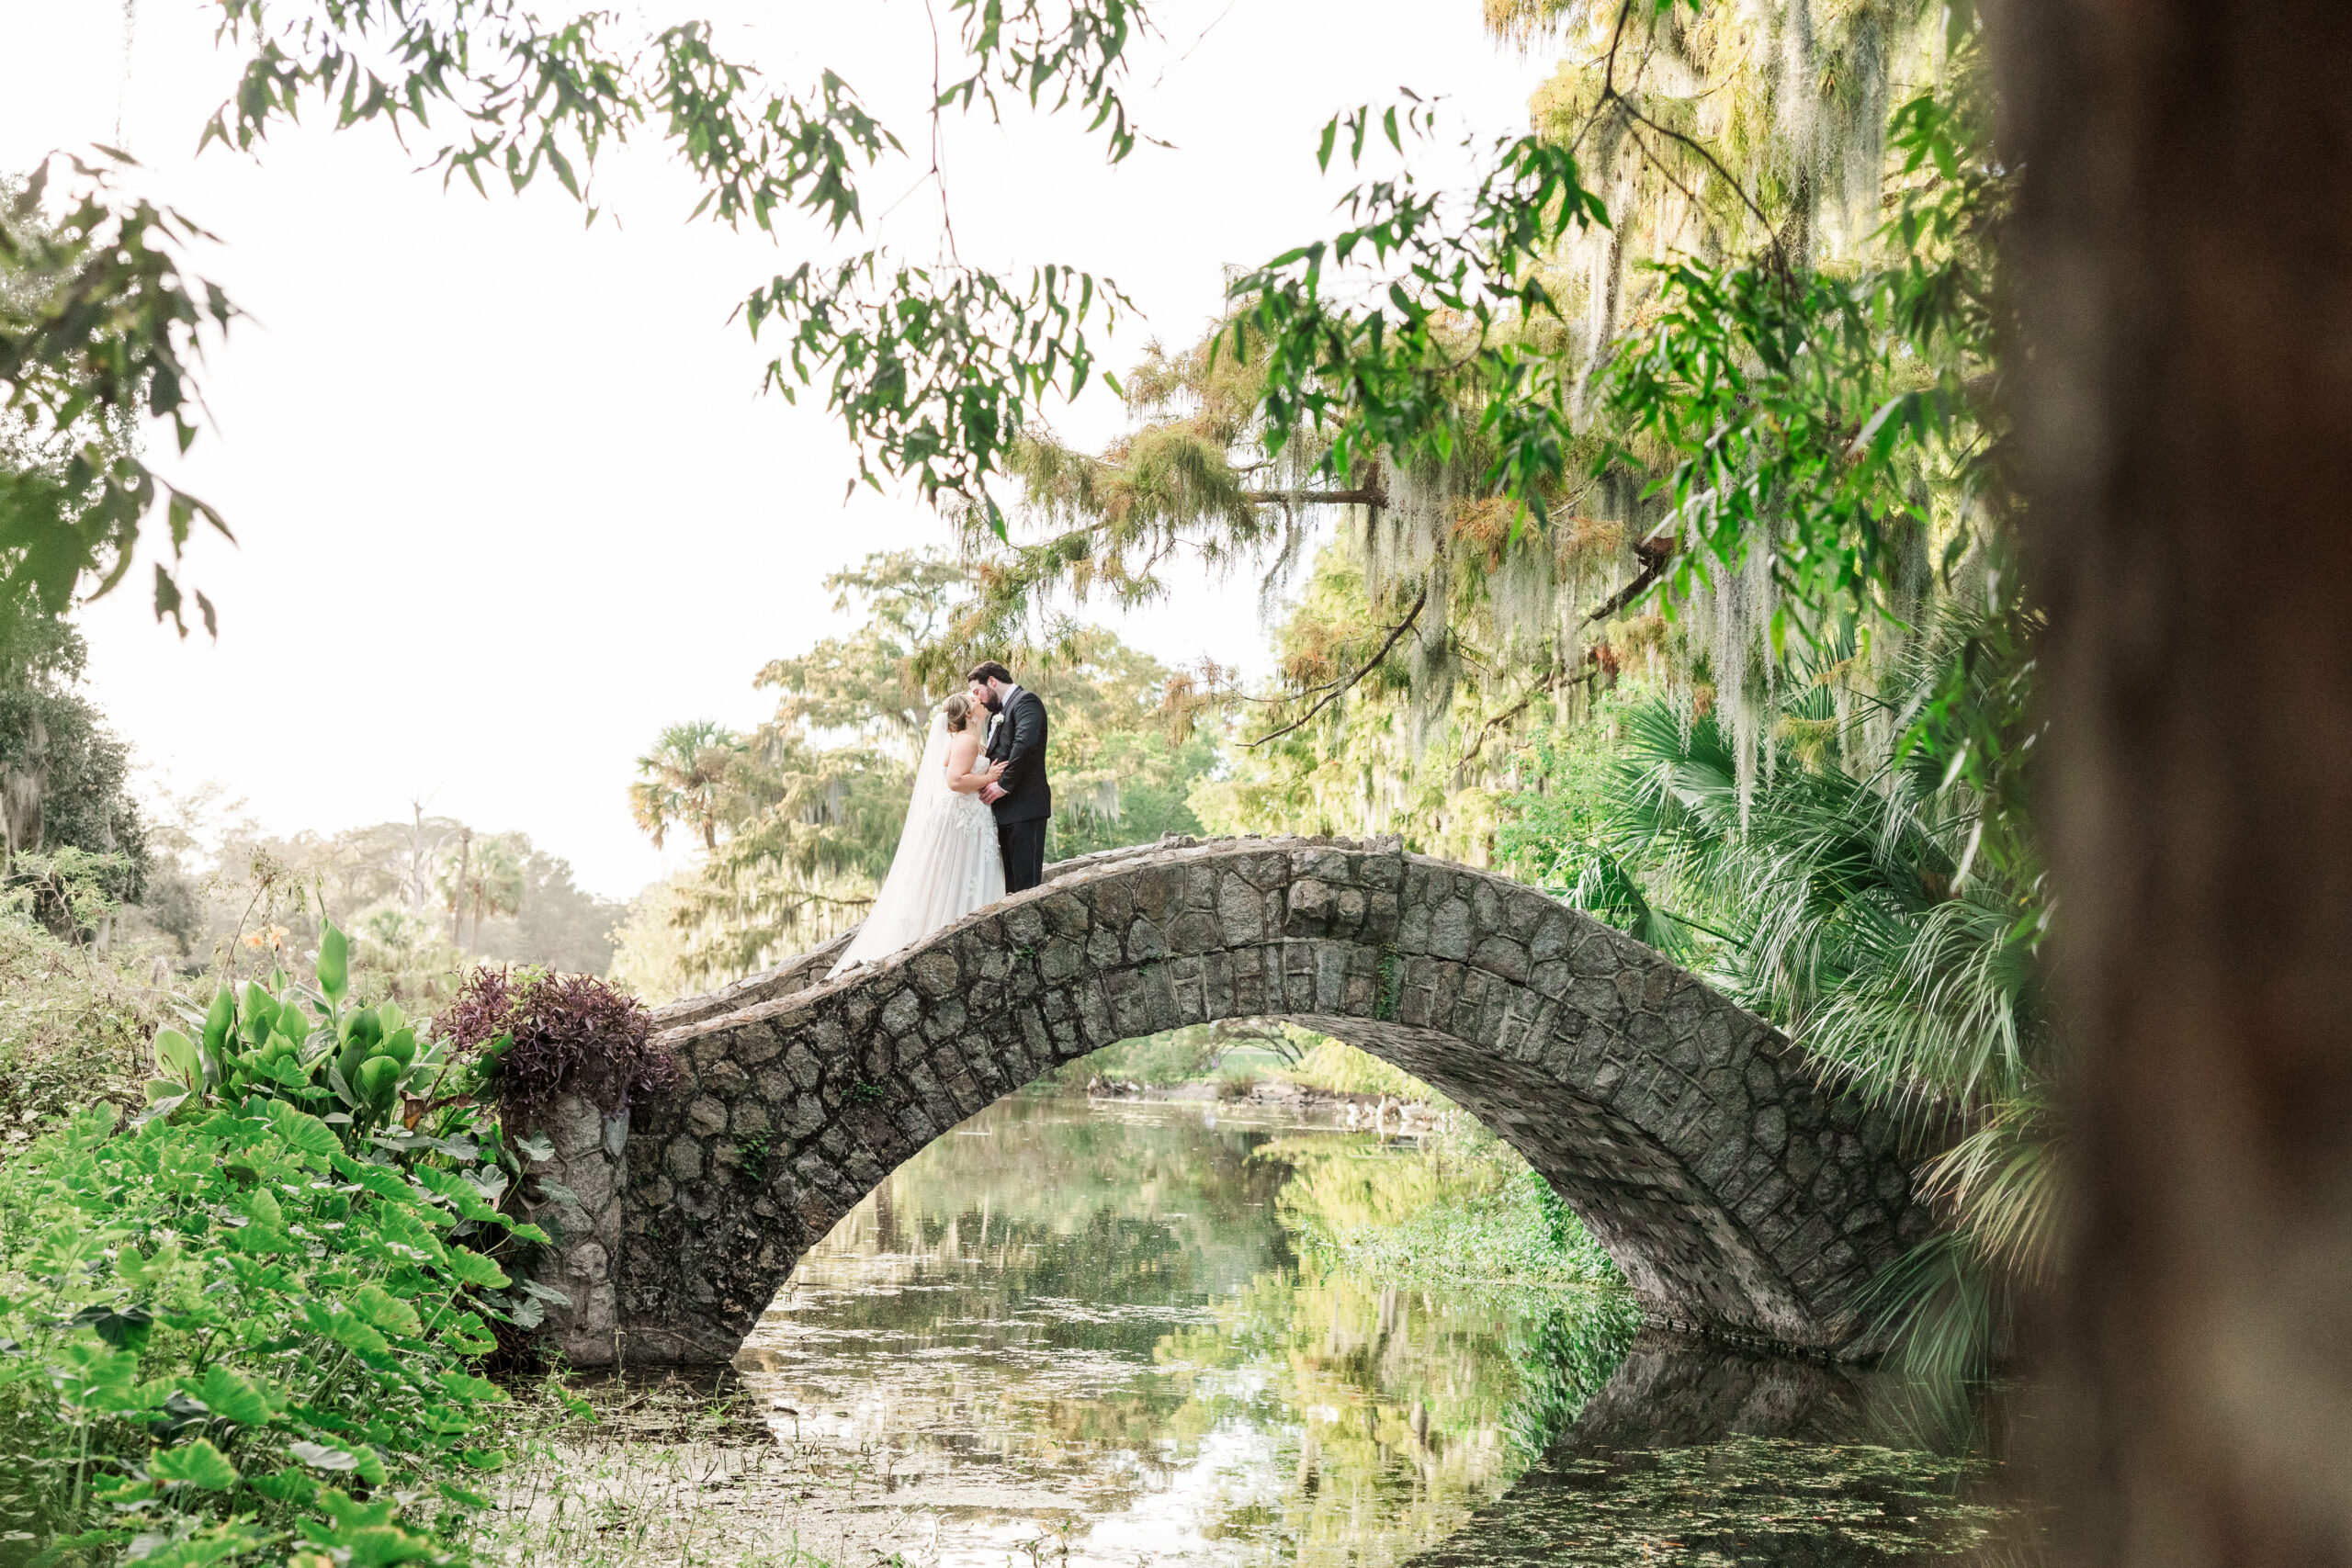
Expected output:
(243, 1325)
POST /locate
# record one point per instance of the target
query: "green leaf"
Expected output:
(258, 1014)
(382, 1180)
(386, 1311)
(283, 1486)
(378, 1546)
(380, 1081)
(334, 964)
(198, 1464)
(475, 1269)
(261, 1241)
(470, 1389)
(317, 1456)
(460, 1495)
(176, 1056)
(119, 1327)
(234, 1395)
(304, 1132)
(219, 1021)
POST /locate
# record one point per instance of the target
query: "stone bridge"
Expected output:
(1743, 1199)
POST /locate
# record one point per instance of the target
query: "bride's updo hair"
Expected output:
(957, 708)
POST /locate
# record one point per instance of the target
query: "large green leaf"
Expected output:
(386, 1311)
(334, 964)
(234, 1395)
(475, 1269)
(198, 1464)
(303, 1131)
(219, 1021)
(176, 1057)
(379, 1080)
(259, 1013)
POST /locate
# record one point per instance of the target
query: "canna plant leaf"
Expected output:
(176, 1054)
(219, 1021)
(334, 964)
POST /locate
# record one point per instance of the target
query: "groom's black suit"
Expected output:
(1018, 740)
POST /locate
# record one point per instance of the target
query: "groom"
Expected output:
(1023, 797)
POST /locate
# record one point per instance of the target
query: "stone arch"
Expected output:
(1743, 1197)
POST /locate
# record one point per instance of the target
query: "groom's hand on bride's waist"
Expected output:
(992, 794)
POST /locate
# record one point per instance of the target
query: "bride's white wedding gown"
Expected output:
(947, 864)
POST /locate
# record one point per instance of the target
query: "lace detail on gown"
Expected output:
(947, 866)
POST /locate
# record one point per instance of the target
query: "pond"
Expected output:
(1091, 1334)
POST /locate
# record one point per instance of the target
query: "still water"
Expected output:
(1087, 1334)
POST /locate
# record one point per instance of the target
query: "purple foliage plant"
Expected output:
(566, 1032)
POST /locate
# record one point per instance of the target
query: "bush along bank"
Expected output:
(249, 1321)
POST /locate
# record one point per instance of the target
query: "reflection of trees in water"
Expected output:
(1127, 1299)
(1406, 1409)
(1134, 1219)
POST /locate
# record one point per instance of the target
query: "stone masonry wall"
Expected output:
(576, 1197)
(1742, 1199)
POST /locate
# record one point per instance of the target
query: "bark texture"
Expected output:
(2183, 262)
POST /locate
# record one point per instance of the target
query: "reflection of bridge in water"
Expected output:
(1742, 1197)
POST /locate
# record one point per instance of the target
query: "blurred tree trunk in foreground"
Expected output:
(2183, 262)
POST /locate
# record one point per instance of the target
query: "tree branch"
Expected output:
(1655, 554)
(1370, 495)
(1340, 688)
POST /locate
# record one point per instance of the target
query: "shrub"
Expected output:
(534, 1032)
(232, 1332)
(244, 1324)
(363, 1067)
(74, 1029)
(1338, 1067)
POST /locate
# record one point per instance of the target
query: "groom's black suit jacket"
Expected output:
(1018, 738)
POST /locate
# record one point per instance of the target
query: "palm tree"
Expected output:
(1886, 910)
(485, 874)
(686, 779)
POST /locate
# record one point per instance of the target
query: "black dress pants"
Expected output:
(1023, 846)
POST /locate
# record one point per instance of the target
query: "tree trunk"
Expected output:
(2183, 256)
(457, 898)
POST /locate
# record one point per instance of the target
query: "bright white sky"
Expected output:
(507, 499)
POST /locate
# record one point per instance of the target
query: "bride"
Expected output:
(947, 863)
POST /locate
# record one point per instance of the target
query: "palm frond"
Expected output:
(1887, 909)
